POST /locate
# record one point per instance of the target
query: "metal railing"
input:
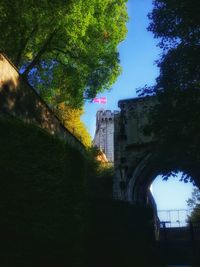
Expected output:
(190, 232)
(174, 217)
(176, 224)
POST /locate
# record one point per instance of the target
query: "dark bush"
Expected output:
(42, 198)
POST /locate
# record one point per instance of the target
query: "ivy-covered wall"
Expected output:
(43, 202)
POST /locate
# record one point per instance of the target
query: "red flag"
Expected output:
(103, 100)
(96, 100)
(100, 100)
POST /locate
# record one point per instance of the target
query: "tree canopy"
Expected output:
(66, 49)
(175, 22)
(175, 119)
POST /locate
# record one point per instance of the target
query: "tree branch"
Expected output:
(35, 61)
(23, 46)
(68, 52)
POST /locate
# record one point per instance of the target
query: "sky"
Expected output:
(138, 53)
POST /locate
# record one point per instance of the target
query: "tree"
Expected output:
(194, 203)
(175, 22)
(66, 49)
(175, 119)
(195, 199)
(71, 118)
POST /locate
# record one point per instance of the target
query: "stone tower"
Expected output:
(104, 135)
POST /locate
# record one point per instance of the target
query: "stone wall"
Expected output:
(134, 117)
(132, 150)
(19, 99)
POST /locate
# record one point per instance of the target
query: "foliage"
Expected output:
(119, 231)
(71, 118)
(50, 217)
(175, 22)
(194, 203)
(67, 49)
(43, 204)
(100, 183)
(195, 214)
(195, 200)
(175, 119)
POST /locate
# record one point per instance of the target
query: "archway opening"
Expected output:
(171, 199)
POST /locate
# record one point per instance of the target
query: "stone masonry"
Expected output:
(133, 151)
(18, 99)
(104, 135)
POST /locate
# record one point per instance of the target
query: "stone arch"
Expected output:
(134, 194)
(138, 187)
(137, 162)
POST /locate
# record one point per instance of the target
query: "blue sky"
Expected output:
(138, 53)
